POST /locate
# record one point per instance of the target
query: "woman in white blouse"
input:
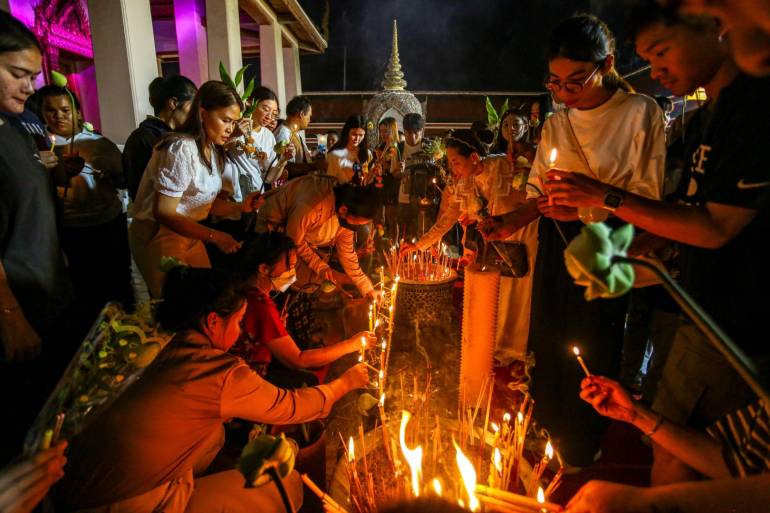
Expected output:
(613, 135)
(253, 163)
(180, 188)
(348, 159)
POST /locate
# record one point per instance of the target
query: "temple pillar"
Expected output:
(191, 40)
(292, 74)
(223, 27)
(125, 62)
(271, 60)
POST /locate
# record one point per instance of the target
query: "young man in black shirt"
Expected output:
(723, 221)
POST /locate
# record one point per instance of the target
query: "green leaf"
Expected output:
(225, 76)
(239, 74)
(492, 117)
(249, 89)
(503, 109)
(58, 79)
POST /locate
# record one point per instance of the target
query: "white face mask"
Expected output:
(284, 281)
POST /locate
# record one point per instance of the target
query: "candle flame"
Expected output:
(495, 427)
(468, 474)
(506, 417)
(382, 399)
(497, 460)
(540, 495)
(549, 450)
(413, 456)
(384, 345)
(376, 324)
(553, 156)
(382, 374)
(351, 450)
(436, 486)
(363, 342)
(520, 418)
(576, 350)
(360, 358)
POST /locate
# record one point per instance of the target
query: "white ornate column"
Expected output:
(191, 39)
(271, 60)
(125, 62)
(223, 27)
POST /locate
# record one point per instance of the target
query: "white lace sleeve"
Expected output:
(176, 169)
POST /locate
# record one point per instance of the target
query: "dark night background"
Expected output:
(448, 45)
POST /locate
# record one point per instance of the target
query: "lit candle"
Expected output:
(371, 318)
(541, 498)
(552, 158)
(580, 360)
(551, 164)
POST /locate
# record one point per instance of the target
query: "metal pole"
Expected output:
(718, 338)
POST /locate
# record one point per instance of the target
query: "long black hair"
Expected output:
(354, 121)
(15, 36)
(190, 294)
(586, 38)
(162, 89)
(212, 95)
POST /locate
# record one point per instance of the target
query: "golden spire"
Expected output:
(394, 77)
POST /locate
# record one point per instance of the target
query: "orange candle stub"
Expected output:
(580, 360)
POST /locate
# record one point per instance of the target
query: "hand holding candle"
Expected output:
(576, 350)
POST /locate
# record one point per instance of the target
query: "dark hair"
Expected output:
(664, 102)
(586, 38)
(645, 13)
(162, 89)
(361, 201)
(212, 95)
(501, 145)
(264, 248)
(298, 104)
(482, 132)
(387, 121)
(465, 142)
(15, 36)
(262, 93)
(191, 293)
(354, 121)
(333, 132)
(413, 122)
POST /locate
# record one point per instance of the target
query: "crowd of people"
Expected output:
(224, 216)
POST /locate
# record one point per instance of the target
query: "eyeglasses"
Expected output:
(267, 110)
(571, 86)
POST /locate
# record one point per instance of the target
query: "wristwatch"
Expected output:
(613, 199)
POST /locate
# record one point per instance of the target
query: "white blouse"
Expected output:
(178, 171)
(340, 164)
(622, 139)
